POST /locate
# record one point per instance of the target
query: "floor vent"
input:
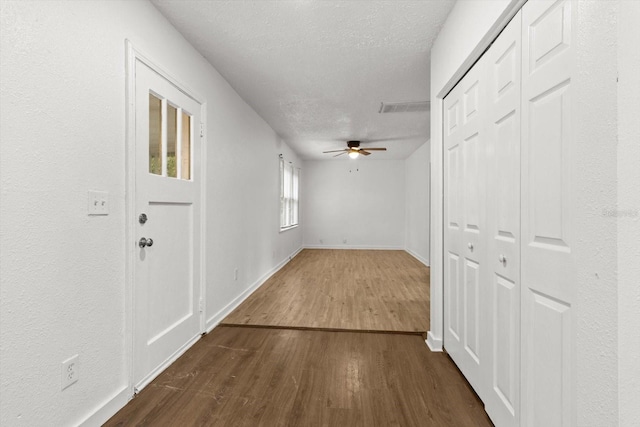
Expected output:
(403, 107)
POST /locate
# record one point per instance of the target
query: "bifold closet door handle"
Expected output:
(470, 246)
(145, 242)
(502, 259)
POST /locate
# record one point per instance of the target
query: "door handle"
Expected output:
(145, 242)
(470, 246)
(502, 259)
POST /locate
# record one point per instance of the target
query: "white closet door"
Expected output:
(548, 277)
(502, 308)
(453, 329)
(465, 236)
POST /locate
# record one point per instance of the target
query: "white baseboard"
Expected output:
(418, 257)
(357, 247)
(434, 344)
(215, 320)
(157, 371)
(108, 409)
(286, 260)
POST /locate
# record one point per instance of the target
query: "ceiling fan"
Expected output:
(354, 150)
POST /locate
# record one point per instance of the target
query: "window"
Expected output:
(169, 139)
(289, 179)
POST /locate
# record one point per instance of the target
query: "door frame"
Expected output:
(435, 335)
(132, 55)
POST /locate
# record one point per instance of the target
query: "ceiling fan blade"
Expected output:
(375, 149)
(344, 152)
(335, 151)
(366, 153)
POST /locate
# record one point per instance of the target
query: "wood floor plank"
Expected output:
(342, 289)
(270, 377)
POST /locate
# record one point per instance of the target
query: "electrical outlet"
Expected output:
(98, 203)
(235, 274)
(70, 371)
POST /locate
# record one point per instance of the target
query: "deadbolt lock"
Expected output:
(144, 242)
(142, 218)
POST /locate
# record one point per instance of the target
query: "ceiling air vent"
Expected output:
(403, 107)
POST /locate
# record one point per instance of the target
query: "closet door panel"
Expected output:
(465, 235)
(503, 123)
(472, 310)
(453, 313)
(547, 270)
(473, 154)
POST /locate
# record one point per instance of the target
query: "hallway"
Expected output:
(296, 371)
(160, 160)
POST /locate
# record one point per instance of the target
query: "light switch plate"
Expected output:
(98, 203)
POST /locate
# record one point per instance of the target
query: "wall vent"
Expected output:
(404, 107)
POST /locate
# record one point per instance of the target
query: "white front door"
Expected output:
(167, 208)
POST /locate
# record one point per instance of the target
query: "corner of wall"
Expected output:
(434, 343)
(466, 33)
(217, 317)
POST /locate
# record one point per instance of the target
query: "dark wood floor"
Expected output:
(270, 377)
(273, 369)
(342, 289)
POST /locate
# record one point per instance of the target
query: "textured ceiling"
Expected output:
(317, 71)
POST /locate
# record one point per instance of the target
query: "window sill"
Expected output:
(283, 229)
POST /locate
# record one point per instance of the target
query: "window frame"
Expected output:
(289, 195)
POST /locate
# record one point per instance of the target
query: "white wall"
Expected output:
(594, 191)
(62, 133)
(417, 170)
(361, 201)
(628, 212)
(243, 212)
(595, 188)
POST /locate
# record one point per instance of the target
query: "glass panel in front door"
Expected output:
(155, 135)
(176, 133)
(172, 141)
(185, 148)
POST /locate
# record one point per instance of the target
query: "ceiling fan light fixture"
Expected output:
(354, 150)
